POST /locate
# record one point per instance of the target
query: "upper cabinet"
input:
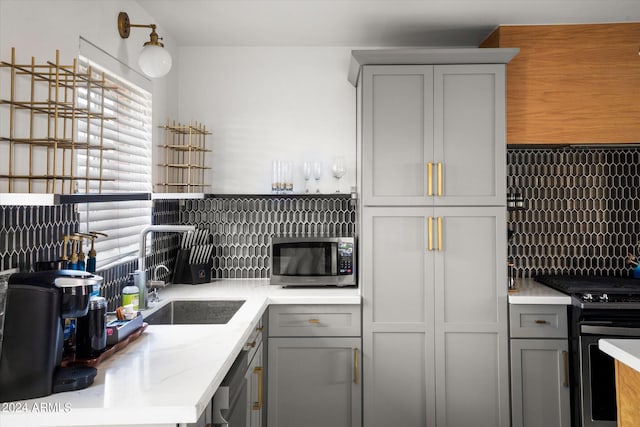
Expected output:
(433, 135)
(572, 84)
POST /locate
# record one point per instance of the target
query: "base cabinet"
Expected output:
(539, 367)
(254, 379)
(540, 387)
(239, 400)
(314, 380)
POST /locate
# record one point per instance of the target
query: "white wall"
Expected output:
(261, 103)
(269, 103)
(38, 27)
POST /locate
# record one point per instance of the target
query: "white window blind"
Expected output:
(124, 163)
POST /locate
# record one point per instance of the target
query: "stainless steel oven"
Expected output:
(597, 369)
(602, 307)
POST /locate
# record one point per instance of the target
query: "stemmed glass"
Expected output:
(306, 171)
(339, 168)
(317, 174)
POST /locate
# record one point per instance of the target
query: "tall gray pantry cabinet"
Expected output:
(432, 160)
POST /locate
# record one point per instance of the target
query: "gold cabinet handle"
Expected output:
(565, 359)
(356, 366)
(430, 236)
(251, 344)
(258, 405)
(314, 321)
(541, 322)
(439, 234)
(439, 179)
(430, 179)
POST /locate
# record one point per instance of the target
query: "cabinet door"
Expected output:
(255, 380)
(540, 383)
(397, 134)
(469, 140)
(471, 327)
(314, 382)
(397, 297)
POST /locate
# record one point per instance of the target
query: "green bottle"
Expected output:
(131, 293)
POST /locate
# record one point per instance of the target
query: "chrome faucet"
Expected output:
(143, 252)
(154, 284)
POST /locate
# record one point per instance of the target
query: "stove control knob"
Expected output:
(604, 298)
(587, 297)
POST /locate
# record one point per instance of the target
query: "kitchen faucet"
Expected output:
(143, 253)
(154, 283)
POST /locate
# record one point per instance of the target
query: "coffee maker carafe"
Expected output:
(36, 305)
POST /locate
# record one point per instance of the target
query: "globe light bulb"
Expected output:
(154, 61)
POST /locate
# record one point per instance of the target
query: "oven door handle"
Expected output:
(609, 330)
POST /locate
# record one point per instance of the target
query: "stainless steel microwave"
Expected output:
(313, 261)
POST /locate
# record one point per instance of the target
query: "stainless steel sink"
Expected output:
(191, 312)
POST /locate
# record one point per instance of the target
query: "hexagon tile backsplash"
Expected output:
(34, 233)
(581, 216)
(242, 226)
(582, 210)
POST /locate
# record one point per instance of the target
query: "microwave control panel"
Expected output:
(345, 258)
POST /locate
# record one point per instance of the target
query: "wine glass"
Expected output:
(317, 174)
(339, 168)
(306, 171)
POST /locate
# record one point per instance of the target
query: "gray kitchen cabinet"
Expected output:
(433, 135)
(435, 338)
(432, 246)
(314, 366)
(539, 366)
(255, 389)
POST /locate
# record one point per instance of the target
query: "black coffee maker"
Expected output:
(36, 305)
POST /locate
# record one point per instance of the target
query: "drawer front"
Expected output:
(538, 321)
(314, 320)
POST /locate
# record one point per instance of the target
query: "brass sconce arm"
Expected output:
(125, 25)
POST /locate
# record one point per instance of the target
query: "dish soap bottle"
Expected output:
(131, 293)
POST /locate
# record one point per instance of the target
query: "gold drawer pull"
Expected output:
(439, 179)
(439, 234)
(314, 321)
(258, 405)
(430, 233)
(542, 322)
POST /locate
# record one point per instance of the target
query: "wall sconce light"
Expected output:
(154, 59)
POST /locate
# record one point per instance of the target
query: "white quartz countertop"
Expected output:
(528, 291)
(168, 375)
(626, 350)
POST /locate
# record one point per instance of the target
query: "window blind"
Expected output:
(123, 163)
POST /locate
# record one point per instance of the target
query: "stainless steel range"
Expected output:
(602, 307)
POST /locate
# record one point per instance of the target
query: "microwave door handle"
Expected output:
(334, 258)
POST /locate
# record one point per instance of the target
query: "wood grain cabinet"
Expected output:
(314, 366)
(628, 390)
(539, 366)
(571, 84)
